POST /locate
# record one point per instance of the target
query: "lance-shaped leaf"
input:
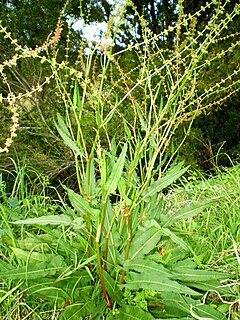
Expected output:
(84, 309)
(142, 265)
(112, 181)
(54, 220)
(193, 275)
(66, 136)
(172, 175)
(81, 205)
(76, 311)
(60, 219)
(34, 271)
(155, 281)
(77, 103)
(180, 306)
(179, 241)
(143, 242)
(111, 287)
(32, 257)
(141, 119)
(189, 211)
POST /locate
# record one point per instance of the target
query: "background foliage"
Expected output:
(32, 24)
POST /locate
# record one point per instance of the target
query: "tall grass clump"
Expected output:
(217, 229)
(109, 251)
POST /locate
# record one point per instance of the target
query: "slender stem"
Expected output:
(106, 251)
(127, 214)
(99, 262)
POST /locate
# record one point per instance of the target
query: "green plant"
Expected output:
(111, 235)
(61, 261)
(109, 243)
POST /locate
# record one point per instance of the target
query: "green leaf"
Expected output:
(163, 182)
(32, 257)
(178, 305)
(34, 271)
(92, 177)
(111, 287)
(76, 98)
(122, 190)
(179, 241)
(66, 136)
(76, 311)
(175, 305)
(203, 311)
(210, 285)
(189, 212)
(46, 290)
(137, 281)
(81, 205)
(112, 181)
(60, 219)
(193, 275)
(132, 313)
(79, 311)
(142, 121)
(143, 242)
(181, 318)
(142, 265)
(152, 276)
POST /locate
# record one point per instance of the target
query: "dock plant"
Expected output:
(108, 249)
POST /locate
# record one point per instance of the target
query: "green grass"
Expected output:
(213, 233)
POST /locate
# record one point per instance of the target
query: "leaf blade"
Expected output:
(172, 175)
(112, 181)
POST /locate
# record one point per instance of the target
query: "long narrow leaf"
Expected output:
(76, 98)
(132, 313)
(60, 219)
(178, 305)
(33, 257)
(34, 271)
(191, 275)
(80, 204)
(142, 265)
(111, 287)
(171, 176)
(76, 311)
(189, 212)
(65, 134)
(143, 242)
(179, 241)
(112, 182)
(154, 281)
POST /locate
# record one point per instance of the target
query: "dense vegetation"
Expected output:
(107, 204)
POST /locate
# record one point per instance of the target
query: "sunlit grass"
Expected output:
(212, 234)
